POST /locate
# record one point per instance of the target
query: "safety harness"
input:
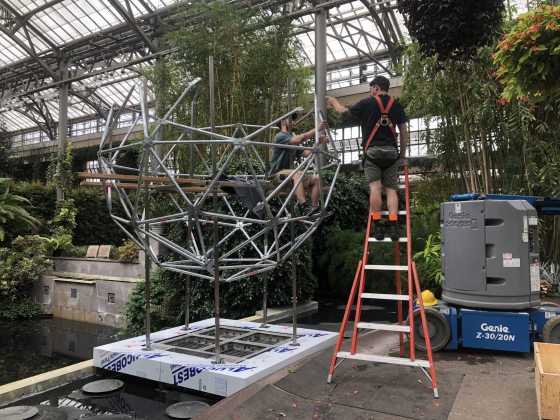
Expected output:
(384, 121)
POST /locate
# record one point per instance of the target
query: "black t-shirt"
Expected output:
(368, 113)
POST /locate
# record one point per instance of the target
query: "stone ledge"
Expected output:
(24, 388)
(67, 280)
(274, 314)
(67, 276)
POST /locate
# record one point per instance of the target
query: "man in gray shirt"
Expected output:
(283, 159)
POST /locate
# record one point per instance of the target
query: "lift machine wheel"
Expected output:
(551, 330)
(438, 329)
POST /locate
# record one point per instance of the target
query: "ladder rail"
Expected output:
(409, 260)
(351, 298)
(361, 289)
(424, 327)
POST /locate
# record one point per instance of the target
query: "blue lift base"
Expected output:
(495, 330)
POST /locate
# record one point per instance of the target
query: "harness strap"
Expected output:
(383, 120)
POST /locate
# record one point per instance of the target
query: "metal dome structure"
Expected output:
(252, 216)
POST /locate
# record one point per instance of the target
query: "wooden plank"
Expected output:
(547, 379)
(104, 252)
(92, 251)
(131, 186)
(123, 177)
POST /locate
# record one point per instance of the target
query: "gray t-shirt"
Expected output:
(282, 158)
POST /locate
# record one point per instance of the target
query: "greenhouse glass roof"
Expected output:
(100, 45)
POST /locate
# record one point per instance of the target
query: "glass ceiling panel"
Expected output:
(10, 52)
(352, 37)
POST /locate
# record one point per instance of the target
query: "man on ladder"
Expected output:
(379, 114)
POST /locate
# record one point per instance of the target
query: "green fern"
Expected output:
(12, 209)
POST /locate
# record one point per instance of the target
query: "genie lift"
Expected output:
(491, 286)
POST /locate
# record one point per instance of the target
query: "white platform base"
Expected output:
(195, 368)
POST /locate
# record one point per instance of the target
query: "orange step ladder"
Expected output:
(357, 295)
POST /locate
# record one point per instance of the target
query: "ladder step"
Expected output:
(386, 267)
(400, 213)
(383, 359)
(384, 327)
(386, 240)
(384, 296)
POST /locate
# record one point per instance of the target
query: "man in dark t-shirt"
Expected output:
(381, 159)
(283, 160)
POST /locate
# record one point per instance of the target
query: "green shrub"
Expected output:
(23, 309)
(128, 252)
(42, 199)
(57, 243)
(93, 221)
(75, 251)
(13, 210)
(339, 259)
(238, 299)
(20, 266)
(428, 264)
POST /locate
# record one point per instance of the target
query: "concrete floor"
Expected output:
(495, 385)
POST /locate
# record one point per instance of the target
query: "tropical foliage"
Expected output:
(13, 209)
(20, 266)
(528, 56)
(5, 147)
(428, 263)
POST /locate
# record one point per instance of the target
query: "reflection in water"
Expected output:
(330, 315)
(33, 347)
(139, 399)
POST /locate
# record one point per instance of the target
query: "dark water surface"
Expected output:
(29, 348)
(330, 314)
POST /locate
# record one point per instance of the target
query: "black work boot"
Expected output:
(315, 211)
(394, 230)
(378, 232)
(304, 209)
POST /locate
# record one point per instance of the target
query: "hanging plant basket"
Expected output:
(452, 28)
(528, 56)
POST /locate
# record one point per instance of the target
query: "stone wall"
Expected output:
(90, 291)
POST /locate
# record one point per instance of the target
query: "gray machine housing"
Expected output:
(490, 254)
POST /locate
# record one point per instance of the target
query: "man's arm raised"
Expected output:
(337, 106)
(299, 138)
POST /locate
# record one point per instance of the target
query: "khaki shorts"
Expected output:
(280, 176)
(387, 174)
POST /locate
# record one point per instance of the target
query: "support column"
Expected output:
(216, 267)
(158, 105)
(321, 59)
(62, 127)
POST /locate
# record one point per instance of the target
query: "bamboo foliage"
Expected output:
(253, 59)
(484, 143)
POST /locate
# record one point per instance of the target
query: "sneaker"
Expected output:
(315, 211)
(304, 209)
(394, 231)
(378, 232)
